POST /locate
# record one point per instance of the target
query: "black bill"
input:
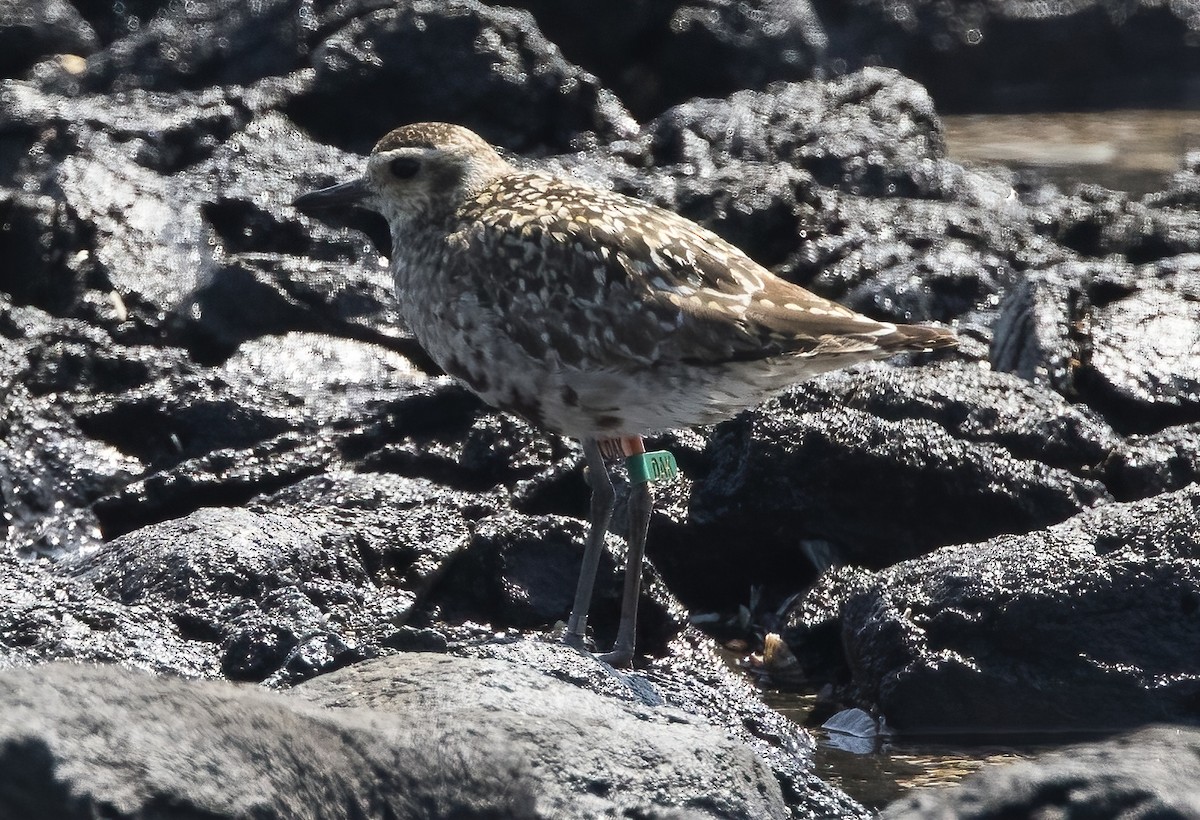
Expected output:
(342, 195)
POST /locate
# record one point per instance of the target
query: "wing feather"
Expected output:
(599, 276)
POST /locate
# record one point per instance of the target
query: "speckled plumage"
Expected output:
(591, 313)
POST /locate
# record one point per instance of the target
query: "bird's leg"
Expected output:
(603, 499)
(641, 504)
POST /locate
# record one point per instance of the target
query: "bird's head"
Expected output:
(419, 169)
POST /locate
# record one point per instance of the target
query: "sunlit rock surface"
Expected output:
(222, 455)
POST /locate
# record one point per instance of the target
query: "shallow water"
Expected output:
(891, 768)
(1128, 150)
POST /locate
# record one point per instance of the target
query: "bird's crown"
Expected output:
(433, 136)
(428, 167)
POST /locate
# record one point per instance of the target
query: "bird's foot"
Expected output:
(617, 659)
(576, 641)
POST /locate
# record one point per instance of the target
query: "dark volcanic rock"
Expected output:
(299, 382)
(222, 455)
(887, 463)
(1151, 773)
(1015, 55)
(183, 222)
(874, 131)
(1121, 339)
(691, 678)
(646, 51)
(44, 246)
(32, 29)
(519, 571)
(446, 434)
(1075, 627)
(341, 558)
(278, 411)
(643, 756)
(747, 45)
(48, 615)
(203, 43)
(80, 742)
(51, 471)
(1097, 222)
(461, 61)
(1143, 466)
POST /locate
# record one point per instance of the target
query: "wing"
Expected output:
(599, 276)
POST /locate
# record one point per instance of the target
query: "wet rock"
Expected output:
(137, 217)
(1033, 336)
(1075, 627)
(51, 471)
(446, 434)
(997, 56)
(32, 29)
(873, 131)
(748, 45)
(220, 478)
(645, 51)
(978, 405)
(466, 62)
(941, 454)
(515, 572)
(1148, 773)
(616, 43)
(112, 22)
(81, 741)
(203, 43)
(45, 248)
(692, 677)
(280, 270)
(296, 383)
(644, 758)
(1121, 339)
(1144, 367)
(1097, 222)
(1143, 466)
(325, 379)
(48, 615)
(340, 559)
(130, 226)
(178, 207)
(88, 414)
(520, 571)
(1183, 189)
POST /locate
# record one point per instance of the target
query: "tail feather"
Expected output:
(919, 337)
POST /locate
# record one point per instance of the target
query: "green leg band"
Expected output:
(657, 466)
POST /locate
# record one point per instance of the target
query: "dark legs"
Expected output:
(641, 503)
(603, 499)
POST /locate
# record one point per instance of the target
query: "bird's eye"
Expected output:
(404, 167)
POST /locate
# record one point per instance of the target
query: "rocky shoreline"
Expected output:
(223, 459)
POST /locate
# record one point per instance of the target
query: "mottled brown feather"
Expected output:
(703, 300)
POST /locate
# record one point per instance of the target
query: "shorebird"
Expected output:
(593, 315)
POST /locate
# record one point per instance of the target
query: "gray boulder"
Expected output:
(1151, 773)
